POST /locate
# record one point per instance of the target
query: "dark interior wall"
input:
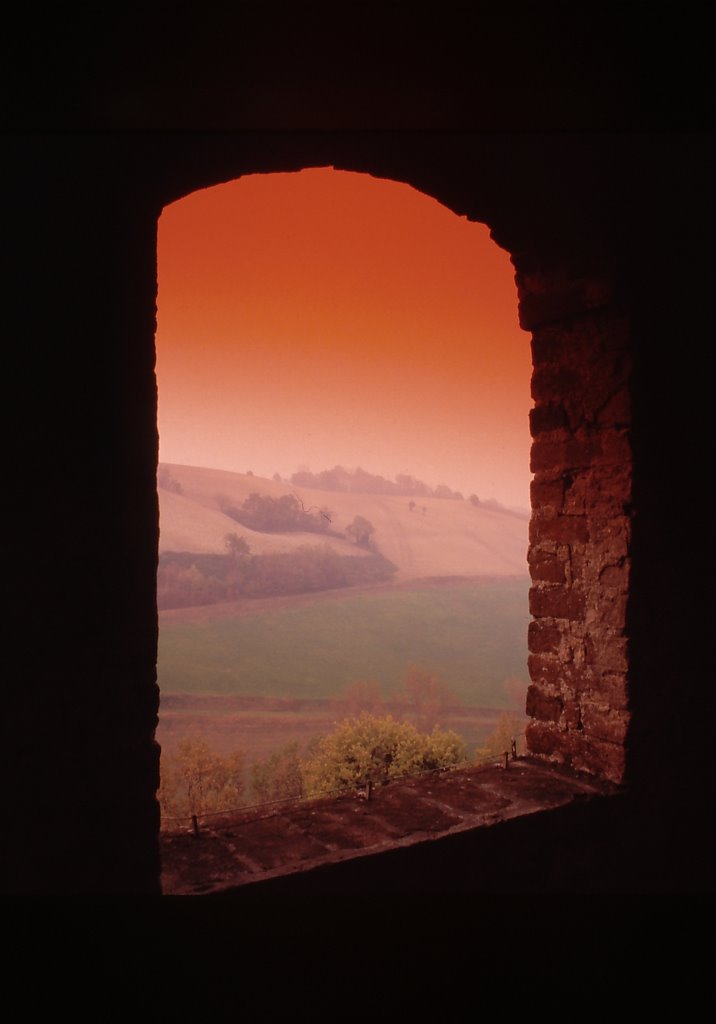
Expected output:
(631, 209)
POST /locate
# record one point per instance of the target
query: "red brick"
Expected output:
(608, 725)
(542, 738)
(615, 577)
(546, 567)
(563, 529)
(607, 654)
(543, 637)
(547, 494)
(571, 714)
(594, 756)
(610, 688)
(543, 706)
(608, 610)
(557, 602)
(544, 668)
(571, 453)
(547, 417)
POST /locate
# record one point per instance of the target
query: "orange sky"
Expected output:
(328, 317)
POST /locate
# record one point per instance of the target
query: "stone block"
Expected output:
(606, 652)
(547, 495)
(596, 757)
(546, 567)
(615, 577)
(565, 454)
(543, 706)
(610, 688)
(571, 715)
(604, 723)
(607, 608)
(543, 738)
(545, 418)
(543, 636)
(546, 669)
(558, 602)
(562, 529)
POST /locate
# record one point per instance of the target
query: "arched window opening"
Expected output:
(343, 480)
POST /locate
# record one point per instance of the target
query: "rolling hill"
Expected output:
(438, 537)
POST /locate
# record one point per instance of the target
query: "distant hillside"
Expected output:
(434, 537)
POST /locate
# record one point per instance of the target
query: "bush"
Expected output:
(371, 749)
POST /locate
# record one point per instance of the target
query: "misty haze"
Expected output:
(343, 484)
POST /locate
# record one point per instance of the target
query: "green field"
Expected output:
(473, 634)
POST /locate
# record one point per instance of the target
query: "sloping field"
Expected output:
(188, 525)
(439, 537)
(473, 634)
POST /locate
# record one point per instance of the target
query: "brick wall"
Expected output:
(580, 528)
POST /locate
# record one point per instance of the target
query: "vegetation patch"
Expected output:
(470, 634)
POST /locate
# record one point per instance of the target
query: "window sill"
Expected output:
(248, 848)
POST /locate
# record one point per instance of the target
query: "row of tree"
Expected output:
(185, 578)
(365, 749)
(196, 780)
(360, 481)
(285, 514)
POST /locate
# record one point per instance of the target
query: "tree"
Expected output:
(236, 547)
(360, 531)
(279, 776)
(370, 749)
(427, 696)
(195, 780)
(508, 729)
(358, 696)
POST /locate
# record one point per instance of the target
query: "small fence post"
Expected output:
(195, 825)
(507, 760)
(514, 750)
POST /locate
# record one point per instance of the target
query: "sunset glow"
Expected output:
(323, 317)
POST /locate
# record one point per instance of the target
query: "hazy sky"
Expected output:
(328, 317)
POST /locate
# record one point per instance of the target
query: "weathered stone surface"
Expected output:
(605, 723)
(610, 688)
(616, 412)
(546, 669)
(610, 537)
(543, 636)
(608, 610)
(543, 738)
(557, 602)
(567, 452)
(547, 496)
(608, 654)
(544, 418)
(571, 715)
(615, 577)
(548, 296)
(546, 567)
(563, 529)
(543, 706)
(587, 754)
(603, 490)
